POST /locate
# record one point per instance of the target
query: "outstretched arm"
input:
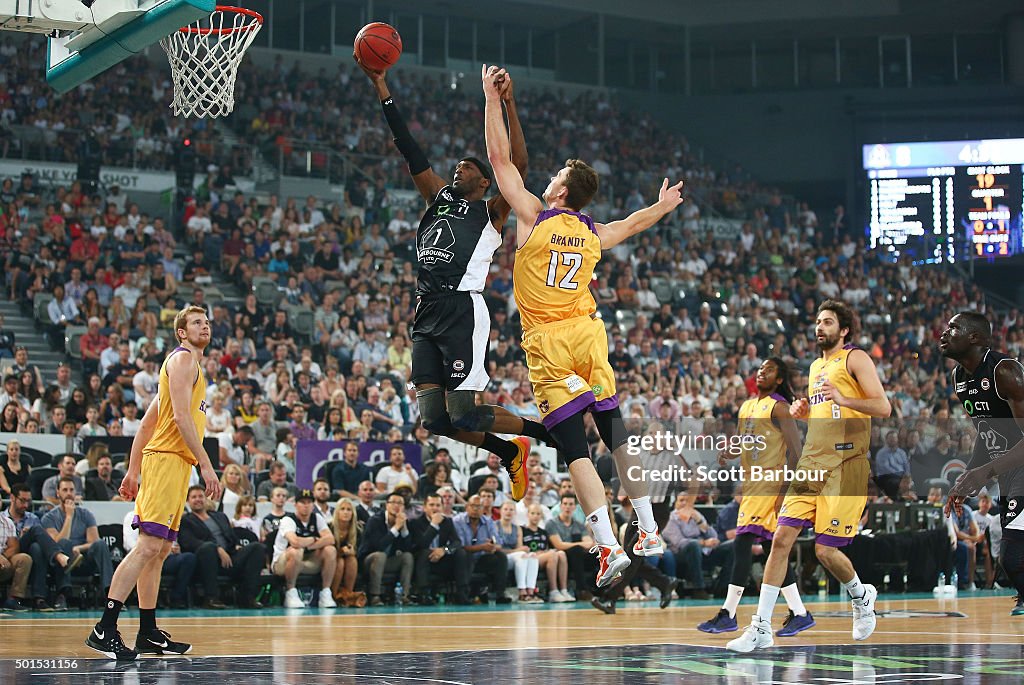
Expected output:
(613, 233)
(510, 182)
(499, 207)
(426, 180)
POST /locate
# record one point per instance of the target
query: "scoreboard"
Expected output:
(946, 201)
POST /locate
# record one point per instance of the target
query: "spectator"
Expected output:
(553, 561)
(105, 485)
(234, 449)
(397, 472)
(65, 469)
(15, 468)
(12, 394)
(74, 530)
(181, 566)
(493, 468)
(479, 536)
(365, 507)
(892, 468)
(305, 544)
(15, 567)
(208, 535)
(347, 529)
(236, 485)
(568, 535)
(245, 512)
(264, 432)
(270, 523)
(968, 535)
(696, 546)
(322, 498)
(277, 477)
(437, 546)
(520, 557)
(349, 473)
(34, 539)
(387, 547)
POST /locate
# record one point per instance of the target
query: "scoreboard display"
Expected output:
(946, 201)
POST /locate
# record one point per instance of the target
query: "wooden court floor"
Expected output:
(557, 636)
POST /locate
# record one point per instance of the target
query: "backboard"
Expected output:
(88, 38)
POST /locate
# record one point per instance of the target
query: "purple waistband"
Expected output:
(155, 529)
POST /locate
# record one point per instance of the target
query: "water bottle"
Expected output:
(940, 587)
(822, 587)
(951, 589)
(399, 593)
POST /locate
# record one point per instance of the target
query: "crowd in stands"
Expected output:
(690, 315)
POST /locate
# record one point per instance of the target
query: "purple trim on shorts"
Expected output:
(548, 213)
(760, 532)
(795, 523)
(576, 405)
(155, 529)
(831, 540)
(607, 404)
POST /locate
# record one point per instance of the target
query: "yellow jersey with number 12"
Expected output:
(166, 436)
(553, 270)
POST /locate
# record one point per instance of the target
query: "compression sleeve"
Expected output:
(403, 139)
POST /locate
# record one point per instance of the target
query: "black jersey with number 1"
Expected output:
(455, 242)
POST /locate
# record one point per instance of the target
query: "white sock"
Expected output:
(854, 587)
(601, 525)
(732, 599)
(766, 604)
(644, 513)
(792, 594)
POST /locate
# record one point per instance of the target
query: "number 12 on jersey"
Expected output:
(573, 260)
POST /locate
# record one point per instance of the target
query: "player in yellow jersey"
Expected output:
(168, 444)
(566, 346)
(844, 393)
(776, 444)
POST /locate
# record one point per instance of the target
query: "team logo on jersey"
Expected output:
(960, 387)
(202, 406)
(969, 406)
(985, 384)
(458, 365)
(1011, 505)
(436, 244)
(543, 406)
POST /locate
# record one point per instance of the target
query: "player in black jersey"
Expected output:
(990, 387)
(455, 242)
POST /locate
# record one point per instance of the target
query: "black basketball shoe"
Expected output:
(160, 642)
(108, 642)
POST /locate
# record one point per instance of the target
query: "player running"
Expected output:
(566, 345)
(169, 443)
(844, 393)
(766, 416)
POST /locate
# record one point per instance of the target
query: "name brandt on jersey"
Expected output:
(566, 241)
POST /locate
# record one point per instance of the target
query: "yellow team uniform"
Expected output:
(167, 461)
(566, 346)
(837, 446)
(757, 509)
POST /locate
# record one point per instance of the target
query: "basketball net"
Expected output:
(204, 59)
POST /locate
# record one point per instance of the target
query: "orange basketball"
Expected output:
(378, 46)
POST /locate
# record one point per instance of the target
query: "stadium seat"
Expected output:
(72, 338)
(39, 457)
(37, 478)
(302, 322)
(267, 293)
(40, 301)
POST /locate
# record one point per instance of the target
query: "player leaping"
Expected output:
(169, 443)
(845, 392)
(456, 239)
(566, 345)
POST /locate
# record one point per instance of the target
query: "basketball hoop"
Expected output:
(204, 59)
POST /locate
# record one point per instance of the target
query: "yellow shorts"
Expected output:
(163, 486)
(833, 504)
(569, 369)
(757, 516)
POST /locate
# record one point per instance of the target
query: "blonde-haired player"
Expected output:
(565, 343)
(844, 393)
(169, 443)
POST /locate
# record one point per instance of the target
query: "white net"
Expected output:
(204, 59)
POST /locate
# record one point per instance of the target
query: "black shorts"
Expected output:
(449, 341)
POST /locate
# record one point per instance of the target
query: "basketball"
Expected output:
(378, 46)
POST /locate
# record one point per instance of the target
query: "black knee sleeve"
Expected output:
(571, 439)
(433, 412)
(742, 545)
(611, 427)
(1012, 561)
(467, 415)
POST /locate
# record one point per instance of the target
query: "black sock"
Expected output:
(537, 431)
(110, 613)
(503, 448)
(147, 620)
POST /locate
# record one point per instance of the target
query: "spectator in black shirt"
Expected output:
(279, 332)
(123, 371)
(620, 360)
(6, 340)
(196, 268)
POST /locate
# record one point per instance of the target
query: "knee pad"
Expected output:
(571, 439)
(467, 415)
(433, 412)
(612, 428)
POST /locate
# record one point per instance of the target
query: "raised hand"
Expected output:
(374, 75)
(670, 197)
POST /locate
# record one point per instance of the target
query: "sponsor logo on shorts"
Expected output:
(985, 384)
(458, 375)
(574, 383)
(543, 406)
(1012, 504)
(848, 530)
(458, 365)
(835, 523)
(844, 445)
(598, 389)
(832, 531)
